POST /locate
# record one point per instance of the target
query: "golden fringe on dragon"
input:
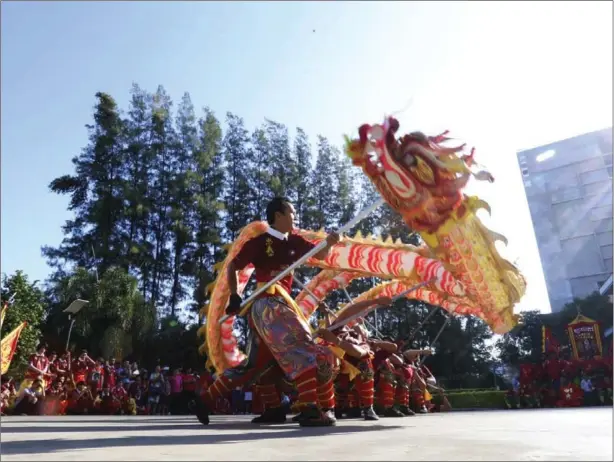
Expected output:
(423, 181)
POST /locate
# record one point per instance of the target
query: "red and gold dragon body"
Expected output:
(423, 181)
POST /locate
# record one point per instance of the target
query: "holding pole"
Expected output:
(377, 334)
(321, 245)
(445, 324)
(368, 310)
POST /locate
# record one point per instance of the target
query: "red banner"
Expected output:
(549, 343)
(9, 345)
(585, 338)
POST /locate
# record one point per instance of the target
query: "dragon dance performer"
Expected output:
(420, 396)
(385, 363)
(354, 341)
(283, 335)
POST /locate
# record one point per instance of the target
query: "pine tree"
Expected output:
(239, 210)
(93, 237)
(282, 164)
(261, 172)
(162, 144)
(182, 189)
(302, 160)
(324, 188)
(208, 205)
(137, 178)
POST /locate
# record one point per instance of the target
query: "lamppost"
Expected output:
(72, 310)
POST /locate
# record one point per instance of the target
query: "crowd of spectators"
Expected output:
(560, 382)
(56, 385)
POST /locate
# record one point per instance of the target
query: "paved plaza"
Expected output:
(558, 434)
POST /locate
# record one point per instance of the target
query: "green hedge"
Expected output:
(483, 399)
(469, 390)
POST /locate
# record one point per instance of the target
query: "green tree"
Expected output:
(183, 183)
(282, 167)
(260, 175)
(29, 306)
(163, 143)
(324, 187)
(302, 160)
(523, 343)
(207, 206)
(115, 322)
(93, 237)
(239, 210)
(138, 169)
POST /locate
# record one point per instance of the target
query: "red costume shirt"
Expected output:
(109, 376)
(270, 255)
(189, 382)
(119, 392)
(96, 377)
(41, 363)
(80, 370)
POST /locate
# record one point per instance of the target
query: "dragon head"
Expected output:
(416, 175)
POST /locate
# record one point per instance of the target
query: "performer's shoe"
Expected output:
(423, 410)
(202, 412)
(297, 417)
(392, 412)
(369, 413)
(312, 416)
(406, 411)
(271, 416)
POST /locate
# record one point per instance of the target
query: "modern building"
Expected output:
(569, 190)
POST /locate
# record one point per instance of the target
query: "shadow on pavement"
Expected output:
(191, 424)
(53, 445)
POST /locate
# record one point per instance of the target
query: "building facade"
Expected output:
(569, 190)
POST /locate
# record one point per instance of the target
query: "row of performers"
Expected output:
(282, 344)
(375, 377)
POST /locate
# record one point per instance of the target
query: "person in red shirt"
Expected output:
(38, 369)
(385, 361)
(284, 335)
(53, 398)
(189, 385)
(81, 400)
(109, 373)
(81, 367)
(570, 395)
(96, 377)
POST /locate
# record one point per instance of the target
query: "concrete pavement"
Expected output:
(542, 434)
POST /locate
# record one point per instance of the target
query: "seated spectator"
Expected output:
(8, 394)
(570, 395)
(30, 402)
(80, 401)
(54, 398)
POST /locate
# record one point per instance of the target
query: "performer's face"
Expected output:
(284, 222)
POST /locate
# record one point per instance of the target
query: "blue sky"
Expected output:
(501, 76)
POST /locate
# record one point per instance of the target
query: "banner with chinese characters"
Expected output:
(585, 338)
(9, 345)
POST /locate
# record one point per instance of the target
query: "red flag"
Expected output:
(9, 345)
(549, 342)
(3, 313)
